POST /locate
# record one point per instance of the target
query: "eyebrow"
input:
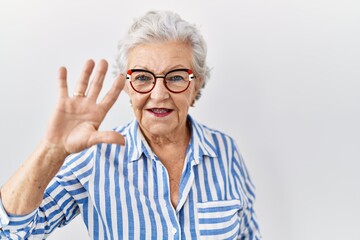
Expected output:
(165, 71)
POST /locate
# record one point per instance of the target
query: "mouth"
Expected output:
(160, 112)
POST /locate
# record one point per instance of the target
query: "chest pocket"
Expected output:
(219, 219)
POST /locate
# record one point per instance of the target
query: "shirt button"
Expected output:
(174, 231)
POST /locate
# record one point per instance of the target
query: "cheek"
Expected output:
(192, 96)
(183, 103)
(184, 100)
(136, 100)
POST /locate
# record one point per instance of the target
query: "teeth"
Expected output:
(159, 110)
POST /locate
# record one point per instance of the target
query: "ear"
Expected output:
(199, 83)
(126, 87)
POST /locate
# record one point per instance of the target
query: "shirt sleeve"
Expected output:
(58, 208)
(9, 224)
(249, 228)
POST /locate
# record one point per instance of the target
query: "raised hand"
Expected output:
(72, 128)
(76, 120)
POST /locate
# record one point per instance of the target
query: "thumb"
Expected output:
(110, 137)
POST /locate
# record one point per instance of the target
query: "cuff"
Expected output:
(12, 221)
(4, 218)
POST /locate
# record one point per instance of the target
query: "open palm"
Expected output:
(76, 120)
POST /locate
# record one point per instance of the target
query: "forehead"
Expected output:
(160, 56)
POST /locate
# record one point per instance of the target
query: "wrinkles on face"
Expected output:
(162, 114)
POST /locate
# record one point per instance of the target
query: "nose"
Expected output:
(159, 91)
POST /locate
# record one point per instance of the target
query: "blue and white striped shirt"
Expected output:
(123, 192)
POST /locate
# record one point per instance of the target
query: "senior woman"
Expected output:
(172, 178)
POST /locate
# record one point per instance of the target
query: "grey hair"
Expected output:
(162, 26)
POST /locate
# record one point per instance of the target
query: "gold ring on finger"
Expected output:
(79, 94)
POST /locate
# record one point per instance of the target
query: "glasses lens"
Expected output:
(142, 81)
(177, 81)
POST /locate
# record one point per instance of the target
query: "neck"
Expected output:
(181, 137)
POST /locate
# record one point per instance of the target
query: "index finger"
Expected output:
(113, 94)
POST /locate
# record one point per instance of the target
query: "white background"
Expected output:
(285, 84)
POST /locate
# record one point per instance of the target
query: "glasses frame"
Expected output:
(189, 71)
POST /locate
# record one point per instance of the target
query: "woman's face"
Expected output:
(162, 113)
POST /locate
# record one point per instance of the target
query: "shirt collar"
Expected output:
(201, 142)
(135, 142)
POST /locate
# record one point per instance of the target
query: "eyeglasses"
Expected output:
(176, 81)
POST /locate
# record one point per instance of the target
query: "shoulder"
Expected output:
(215, 137)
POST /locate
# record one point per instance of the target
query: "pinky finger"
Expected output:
(63, 88)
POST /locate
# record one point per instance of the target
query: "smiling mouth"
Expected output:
(160, 112)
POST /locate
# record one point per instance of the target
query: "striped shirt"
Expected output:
(123, 192)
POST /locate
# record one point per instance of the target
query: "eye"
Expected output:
(142, 77)
(175, 78)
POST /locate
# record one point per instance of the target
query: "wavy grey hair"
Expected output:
(162, 26)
